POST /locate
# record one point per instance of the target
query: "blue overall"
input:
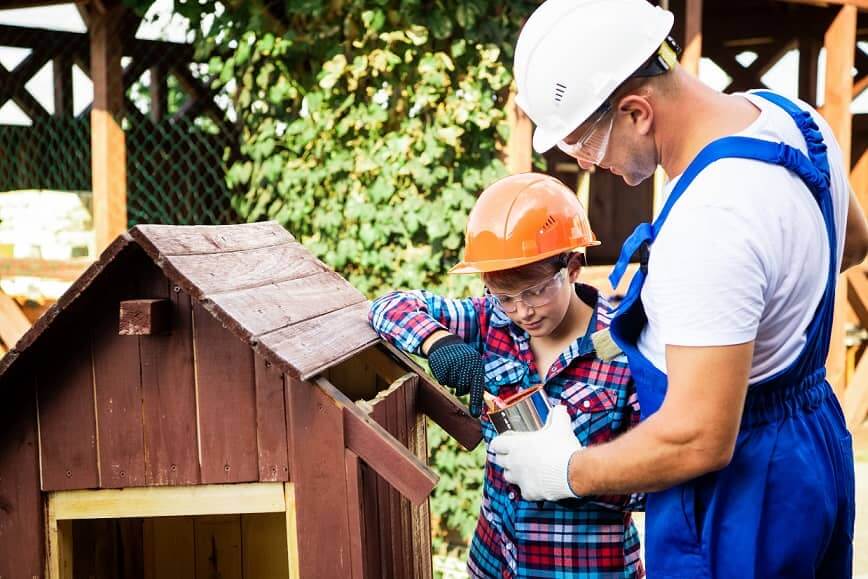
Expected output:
(784, 506)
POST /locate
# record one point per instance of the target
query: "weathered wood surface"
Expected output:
(441, 406)
(308, 347)
(169, 399)
(270, 422)
(67, 423)
(118, 390)
(226, 395)
(202, 239)
(279, 305)
(379, 449)
(144, 317)
(22, 531)
(354, 513)
(317, 461)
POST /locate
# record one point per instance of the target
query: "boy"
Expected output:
(534, 325)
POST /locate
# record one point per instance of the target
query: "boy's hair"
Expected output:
(519, 277)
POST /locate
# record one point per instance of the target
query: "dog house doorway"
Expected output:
(238, 531)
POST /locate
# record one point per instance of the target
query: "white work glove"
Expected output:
(538, 462)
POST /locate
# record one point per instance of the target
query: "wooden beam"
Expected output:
(62, 76)
(692, 36)
(145, 317)
(857, 294)
(809, 60)
(840, 43)
(169, 501)
(855, 400)
(13, 322)
(292, 531)
(519, 150)
(859, 4)
(65, 270)
(108, 145)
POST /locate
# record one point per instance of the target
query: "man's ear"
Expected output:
(640, 112)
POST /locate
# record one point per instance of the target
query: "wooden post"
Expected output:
(108, 147)
(519, 151)
(840, 42)
(62, 74)
(809, 59)
(692, 36)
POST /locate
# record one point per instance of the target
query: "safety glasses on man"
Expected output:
(590, 147)
(535, 296)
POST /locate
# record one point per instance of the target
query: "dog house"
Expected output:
(211, 402)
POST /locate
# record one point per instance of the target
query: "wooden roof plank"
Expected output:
(169, 240)
(307, 348)
(239, 270)
(271, 307)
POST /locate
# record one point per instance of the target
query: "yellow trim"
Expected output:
(228, 499)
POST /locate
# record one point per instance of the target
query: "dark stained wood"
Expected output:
(384, 503)
(80, 285)
(354, 513)
(309, 347)
(420, 514)
(270, 422)
(249, 268)
(22, 536)
(316, 449)
(273, 306)
(62, 77)
(227, 402)
(145, 317)
(440, 405)
(371, 519)
(615, 209)
(405, 411)
(394, 403)
(167, 240)
(377, 447)
(809, 60)
(118, 389)
(169, 399)
(67, 423)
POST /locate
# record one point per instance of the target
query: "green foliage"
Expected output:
(369, 128)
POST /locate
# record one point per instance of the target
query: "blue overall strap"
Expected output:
(727, 147)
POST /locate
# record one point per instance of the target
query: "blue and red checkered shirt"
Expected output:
(590, 537)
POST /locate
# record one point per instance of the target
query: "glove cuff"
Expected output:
(444, 341)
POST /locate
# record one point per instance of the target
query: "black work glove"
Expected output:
(457, 365)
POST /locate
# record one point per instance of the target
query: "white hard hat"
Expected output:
(571, 55)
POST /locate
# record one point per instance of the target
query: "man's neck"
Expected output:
(695, 116)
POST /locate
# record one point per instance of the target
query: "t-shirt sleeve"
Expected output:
(707, 279)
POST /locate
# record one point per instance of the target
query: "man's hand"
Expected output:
(538, 462)
(459, 366)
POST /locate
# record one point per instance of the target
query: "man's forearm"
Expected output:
(648, 458)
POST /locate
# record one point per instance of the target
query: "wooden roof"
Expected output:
(256, 279)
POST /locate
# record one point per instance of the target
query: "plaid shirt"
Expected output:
(590, 537)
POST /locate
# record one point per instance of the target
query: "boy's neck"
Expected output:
(572, 327)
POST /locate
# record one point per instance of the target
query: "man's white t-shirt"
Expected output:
(744, 254)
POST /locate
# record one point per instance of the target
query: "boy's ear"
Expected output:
(574, 265)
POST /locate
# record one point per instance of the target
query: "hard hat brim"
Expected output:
(469, 267)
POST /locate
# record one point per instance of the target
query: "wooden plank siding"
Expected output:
(22, 531)
(226, 399)
(270, 422)
(317, 456)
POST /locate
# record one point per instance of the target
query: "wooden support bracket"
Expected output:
(145, 317)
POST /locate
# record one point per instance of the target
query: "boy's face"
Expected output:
(539, 305)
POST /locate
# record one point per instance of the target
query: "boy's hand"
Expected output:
(459, 366)
(538, 462)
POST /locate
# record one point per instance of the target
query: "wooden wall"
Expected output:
(194, 406)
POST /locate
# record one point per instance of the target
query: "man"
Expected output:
(727, 324)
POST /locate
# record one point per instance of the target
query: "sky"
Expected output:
(160, 23)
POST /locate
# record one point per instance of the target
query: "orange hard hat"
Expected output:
(522, 219)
